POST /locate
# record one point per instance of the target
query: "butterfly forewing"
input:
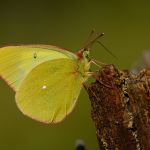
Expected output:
(17, 61)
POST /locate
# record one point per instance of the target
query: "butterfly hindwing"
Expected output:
(50, 90)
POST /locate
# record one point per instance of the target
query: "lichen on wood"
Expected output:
(121, 109)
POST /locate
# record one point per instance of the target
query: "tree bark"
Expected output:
(121, 109)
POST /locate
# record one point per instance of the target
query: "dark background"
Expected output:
(67, 23)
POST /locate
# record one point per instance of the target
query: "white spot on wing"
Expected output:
(44, 87)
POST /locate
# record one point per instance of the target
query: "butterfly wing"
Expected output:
(17, 61)
(50, 90)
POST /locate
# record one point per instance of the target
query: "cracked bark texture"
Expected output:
(121, 109)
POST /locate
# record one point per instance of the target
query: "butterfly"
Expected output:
(47, 79)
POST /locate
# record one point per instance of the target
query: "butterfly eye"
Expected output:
(86, 54)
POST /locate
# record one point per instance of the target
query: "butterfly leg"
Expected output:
(86, 86)
(94, 74)
(96, 62)
(89, 89)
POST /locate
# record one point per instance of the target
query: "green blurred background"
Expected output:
(126, 25)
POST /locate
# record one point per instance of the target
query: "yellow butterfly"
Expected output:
(47, 79)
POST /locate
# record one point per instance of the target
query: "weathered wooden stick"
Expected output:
(121, 109)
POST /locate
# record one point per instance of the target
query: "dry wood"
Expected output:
(121, 109)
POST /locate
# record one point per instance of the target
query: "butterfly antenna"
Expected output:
(90, 43)
(88, 39)
(106, 49)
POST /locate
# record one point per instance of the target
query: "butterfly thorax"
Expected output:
(84, 65)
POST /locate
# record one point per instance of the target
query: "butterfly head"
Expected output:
(83, 54)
